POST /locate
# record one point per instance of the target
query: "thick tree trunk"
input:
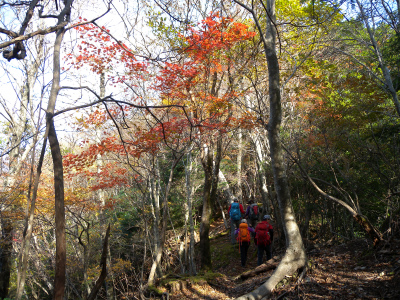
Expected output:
(295, 255)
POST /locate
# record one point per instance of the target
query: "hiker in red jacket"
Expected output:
(264, 237)
(244, 239)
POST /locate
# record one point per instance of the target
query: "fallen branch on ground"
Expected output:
(269, 265)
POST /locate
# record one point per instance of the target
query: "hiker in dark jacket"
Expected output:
(235, 212)
(252, 213)
(264, 237)
(244, 239)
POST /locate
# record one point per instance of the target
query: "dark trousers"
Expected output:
(244, 247)
(260, 253)
(252, 223)
(234, 226)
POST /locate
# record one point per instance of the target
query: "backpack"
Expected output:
(244, 233)
(253, 213)
(235, 211)
(262, 234)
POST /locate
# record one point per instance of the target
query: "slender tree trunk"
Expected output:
(103, 265)
(155, 205)
(239, 166)
(59, 276)
(385, 71)
(61, 255)
(189, 193)
(24, 252)
(19, 128)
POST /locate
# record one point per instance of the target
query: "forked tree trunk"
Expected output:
(158, 254)
(295, 256)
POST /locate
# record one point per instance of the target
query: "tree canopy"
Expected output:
(159, 114)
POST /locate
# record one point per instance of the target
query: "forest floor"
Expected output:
(351, 270)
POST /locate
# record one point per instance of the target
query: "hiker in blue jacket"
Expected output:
(235, 212)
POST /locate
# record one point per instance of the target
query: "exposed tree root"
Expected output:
(293, 260)
(269, 265)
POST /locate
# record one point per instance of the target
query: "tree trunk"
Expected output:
(295, 255)
(385, 71)
(160, 249)
(239, 166)
(59, 276)
(103, 264)
(61, 255)
(189, 193)
(19, 127)
(5, 254)
(24, 252)
(205, 250)
(211, 171)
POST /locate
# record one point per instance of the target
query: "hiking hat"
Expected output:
(235, 200)
(267, 217)
(243, 221)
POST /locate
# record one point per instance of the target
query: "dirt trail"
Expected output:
(347, 271)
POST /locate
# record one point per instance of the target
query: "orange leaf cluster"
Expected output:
(97, 51)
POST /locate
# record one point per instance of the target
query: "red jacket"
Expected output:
(270, 228)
